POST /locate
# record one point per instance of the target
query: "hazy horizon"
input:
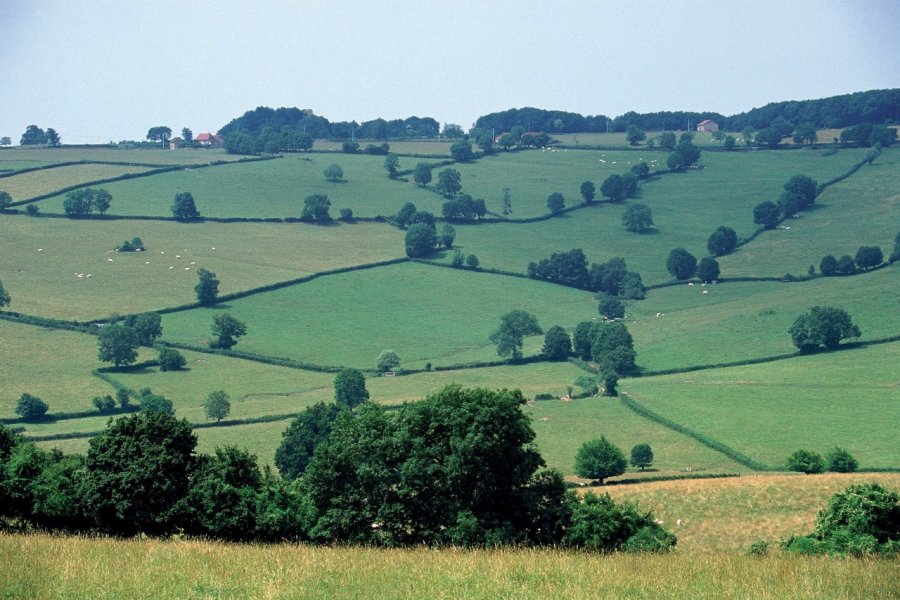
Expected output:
(99, 71)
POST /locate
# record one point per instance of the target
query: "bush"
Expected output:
(171, 359)
(31, 407)
(105, 403)
(760, 548)
(601, 525)
(840, 461)
(804, 461)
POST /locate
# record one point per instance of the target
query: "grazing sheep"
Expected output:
(109, 260)
(705, 291)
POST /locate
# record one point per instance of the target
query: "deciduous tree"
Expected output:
(350, 388)
(510, 335)
(449, 183)
(207, 287)
(641, 456)
(557, 344)
(766, 214)
(722, 241)
(309, 429)
(226, 329)
(637, 218)
(822, 326)
(599, 459)
(681, 264)
(315, 209)
(117, 344)
(217, 405)
(183, 207)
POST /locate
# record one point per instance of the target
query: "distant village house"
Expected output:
(209, 140)
(707, 125)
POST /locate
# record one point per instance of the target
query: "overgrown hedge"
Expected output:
(707, 441)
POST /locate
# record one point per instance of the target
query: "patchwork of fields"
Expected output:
(67, 269)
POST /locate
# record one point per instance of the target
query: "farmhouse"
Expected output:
(209, 140)
(707, 125)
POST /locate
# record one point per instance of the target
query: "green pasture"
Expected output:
(424, 313)
(740, 321)
(45, 181)
(53, 365)
(21, 158)
(847, 399)
(40, 260)
(399, 147)
(272, 188)
(686, 208)
(701, 138)
(863, 210)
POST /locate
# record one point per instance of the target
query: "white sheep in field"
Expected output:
(705, 291)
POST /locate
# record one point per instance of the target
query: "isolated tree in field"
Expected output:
(634, 135)
(117, 344)
(391, 163)
(350, 388)
(822, 326)
(448, 234)
(613, 188)
(681, 264)
(449, 183)
(170, 359)
(510, 335)
(557, 344)
(838, 460)
(472, 262)
(804, 461)
(311, 427)
(599, 460)
(422, 174)
(315, 209)
(217, 405)
(420, 240)
(556, 202)
(642, 456)
(333, 173)
(137, 472)
(637, 218)
(5, 199)
(159, 134)
(588, 192)
(685, 155)
(31, 407)
(183, 207)
(708, 270)
(868, 257)
(388, 360)
(207, 287)
(4, 296)
(226, 329)
(722, 241)
(766, 214)
(461, 151)
(33, 136)
(611, 307)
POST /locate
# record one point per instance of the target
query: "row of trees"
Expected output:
(799, 194)
(459, 468)
(571, 268)
(35, 136)
(84, 201)
(600, 459)
(683, 265)
(838, 460)
(867, 257)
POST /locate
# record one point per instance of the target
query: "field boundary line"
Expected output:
(709, 442)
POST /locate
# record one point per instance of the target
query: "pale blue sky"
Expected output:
(100, 70)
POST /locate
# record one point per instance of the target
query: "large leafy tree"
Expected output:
(31, 407)
(184, 208)
(350, 388)
(599, 459)
(461, 151)
(637, 218)
(207, 287)
(557, 344)
(822, 327)
(449, 182)
(137, 473)
(613, 348)
(708, 269)
(420, 240)
(722, 241)
(226, 329)
(117, 344)
(613, 188)
(804, 188)
(159, 134)
(588, 191)
(315, 209)
(422, 174)
(147, 327)
(641, 456)
(309, 429)
(217, 405)
(868, 257)
(510, 335)
(681, 264)
(556, 202)
(33, 136)
(766, 214)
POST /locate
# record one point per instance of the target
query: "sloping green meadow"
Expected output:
(45, 181)
(271, 188)
(426, 314)
(17, 157)
(740, 321)
(768, 411)
(40, 260)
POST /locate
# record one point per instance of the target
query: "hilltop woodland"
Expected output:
(396, 333)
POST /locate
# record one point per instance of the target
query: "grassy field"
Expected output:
(399, 147)
(730, 514)
(424, 313)
(739, 321)
(44, 566)
(749, 178)
(274, 188)
(39, 260)
(861, 210)
(53, 365)
(22, 158)
(768, 411)
(36, 183)
(701, 138)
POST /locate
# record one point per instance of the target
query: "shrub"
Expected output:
(804, 461)
(170, 359)
(760, 548)
(601, 525)
(31, 407)
(105, 403)
(840, 461)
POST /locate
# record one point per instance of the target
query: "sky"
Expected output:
(99, 71)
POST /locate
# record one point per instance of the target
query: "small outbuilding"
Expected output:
(707, 125)
(209, 140)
